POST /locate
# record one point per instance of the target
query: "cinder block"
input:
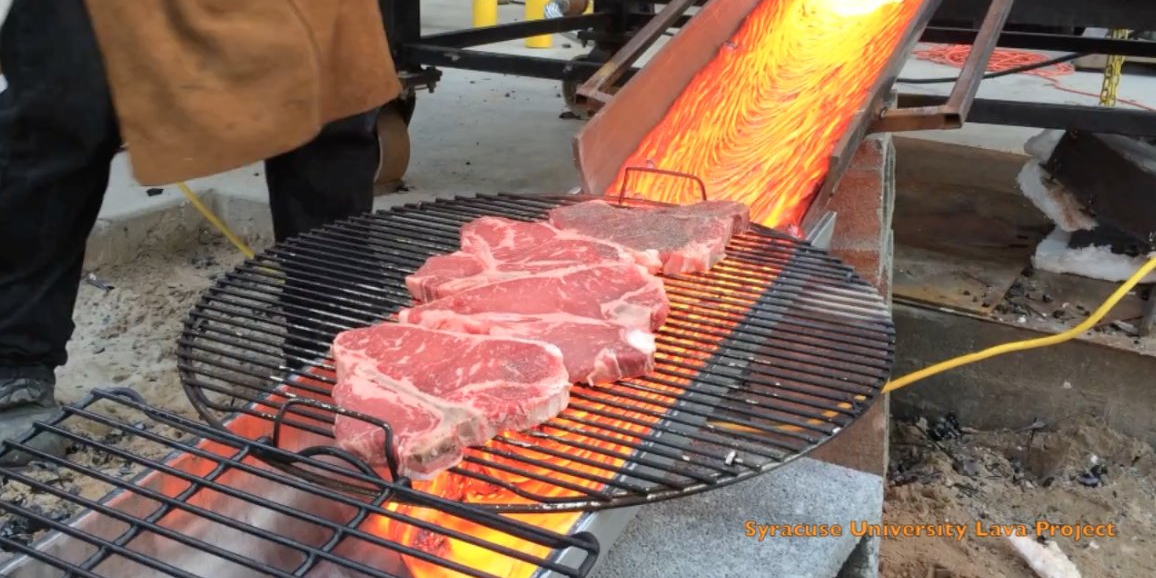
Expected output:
(863, 446)
(872, 153)
(864, 202)
(870, 263)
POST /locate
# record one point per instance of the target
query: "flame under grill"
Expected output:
(178, 498)
(762, 359)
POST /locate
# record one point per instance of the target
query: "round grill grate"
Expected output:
(764, 358)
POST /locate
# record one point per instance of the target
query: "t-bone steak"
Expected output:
(595, 351)
(509, 242)
(495, 249)
(689, 239)
(440, 392)
(437, 275)
(621, 293)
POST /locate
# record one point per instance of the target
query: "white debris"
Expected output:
(1052, 199)
(1041, 146)
(1054, 255)
(1047, 561)
(1067, 385)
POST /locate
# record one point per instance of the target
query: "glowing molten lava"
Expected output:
(759, 123)
(598, 463)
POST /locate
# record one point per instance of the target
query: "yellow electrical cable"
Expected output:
(988, 353)
(1058, 338)
(216, 222)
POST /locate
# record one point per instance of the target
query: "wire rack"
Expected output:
(144, 492)
(764, 358)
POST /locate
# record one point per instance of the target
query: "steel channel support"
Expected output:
(1058, 42)
(1133, 14)
(959, 101)
(954, 112)
(1091, 119)
(595, 87)
(498, 63)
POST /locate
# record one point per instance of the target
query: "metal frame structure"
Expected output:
(614, 23)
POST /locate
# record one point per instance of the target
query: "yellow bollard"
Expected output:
(536, 10)
(485, 13)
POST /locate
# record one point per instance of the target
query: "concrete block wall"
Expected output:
(864, 202)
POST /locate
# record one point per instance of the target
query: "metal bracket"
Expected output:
(821, 234)
(595, 87)
(953, 113)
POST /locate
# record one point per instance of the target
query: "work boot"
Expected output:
(25, 398)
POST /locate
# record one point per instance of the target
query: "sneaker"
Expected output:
(25, 400)
(19, 388)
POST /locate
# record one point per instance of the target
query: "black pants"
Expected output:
(58, 135)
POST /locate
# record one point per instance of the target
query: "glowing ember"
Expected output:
(759, 123)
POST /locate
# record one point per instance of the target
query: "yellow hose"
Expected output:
(988, 353)
(1058, 338)
(216, 222)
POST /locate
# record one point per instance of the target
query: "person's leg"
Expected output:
(58, 135)
(326, 180)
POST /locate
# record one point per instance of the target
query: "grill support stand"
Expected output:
(839, 483)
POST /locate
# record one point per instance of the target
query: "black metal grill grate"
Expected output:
(162, 495)
(762, 359)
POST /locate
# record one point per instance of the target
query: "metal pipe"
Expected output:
(953, 114)
(974, 67)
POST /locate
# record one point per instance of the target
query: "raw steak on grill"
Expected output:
(539, 246)
(688, 240)
(496, 249)
(436, 277)
(621, 293)
(595, 351)
(738, 213)
(440, 392)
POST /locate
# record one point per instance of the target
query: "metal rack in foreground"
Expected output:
(158, 494)
(764, 358)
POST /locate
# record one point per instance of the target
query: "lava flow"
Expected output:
(759, 123)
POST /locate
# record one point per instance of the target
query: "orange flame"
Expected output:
(759, 123)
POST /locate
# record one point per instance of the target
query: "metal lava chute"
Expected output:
(610, 142)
